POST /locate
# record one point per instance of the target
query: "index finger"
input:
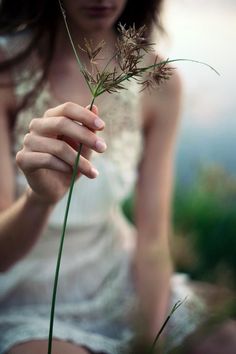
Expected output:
(77, 113)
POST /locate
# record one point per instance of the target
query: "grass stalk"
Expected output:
(175, 307)
(58, 264)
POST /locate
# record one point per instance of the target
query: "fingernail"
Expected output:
(98, 123)
(95, 172)
(101, 145)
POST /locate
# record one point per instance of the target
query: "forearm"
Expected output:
(153, 260)
(153, 269)
(20, 227)
(154, 203)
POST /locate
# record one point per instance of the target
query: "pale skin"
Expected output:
(47, 160)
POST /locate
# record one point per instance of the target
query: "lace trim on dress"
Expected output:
(117, 166)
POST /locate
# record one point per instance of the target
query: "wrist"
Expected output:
(36, 200)
(153, 251)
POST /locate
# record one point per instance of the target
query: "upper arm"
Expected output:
(7, 102)
(161, 113)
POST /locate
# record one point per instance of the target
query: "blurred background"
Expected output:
(205, 193)
(205, 31)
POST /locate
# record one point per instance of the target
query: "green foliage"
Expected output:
(204, 223)
(205, 216)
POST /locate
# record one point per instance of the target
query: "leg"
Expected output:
(40, 347)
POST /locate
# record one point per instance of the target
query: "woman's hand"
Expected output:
(50, 149)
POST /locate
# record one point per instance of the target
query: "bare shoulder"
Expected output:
(162, 104)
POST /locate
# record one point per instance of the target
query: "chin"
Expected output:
(99, 24)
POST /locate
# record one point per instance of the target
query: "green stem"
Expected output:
(91, 104)
(72, 44)
(175, 60)
(146, 68)
(54, 294)
(175, 307)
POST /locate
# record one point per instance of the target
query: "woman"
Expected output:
(107, 267)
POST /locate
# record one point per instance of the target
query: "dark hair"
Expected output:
(41, 17)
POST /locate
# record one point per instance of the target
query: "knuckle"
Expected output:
(48, 159)
(94, 141)
(33, 124)
(86, 165)
(20, 158)
(91, 137)
(87, 168)
(60, 148)
(48, 112)
(61, 123)
(27, 139)
(67, 106)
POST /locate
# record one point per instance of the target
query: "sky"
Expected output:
(204, 31)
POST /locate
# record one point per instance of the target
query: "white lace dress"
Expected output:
(96, 297)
